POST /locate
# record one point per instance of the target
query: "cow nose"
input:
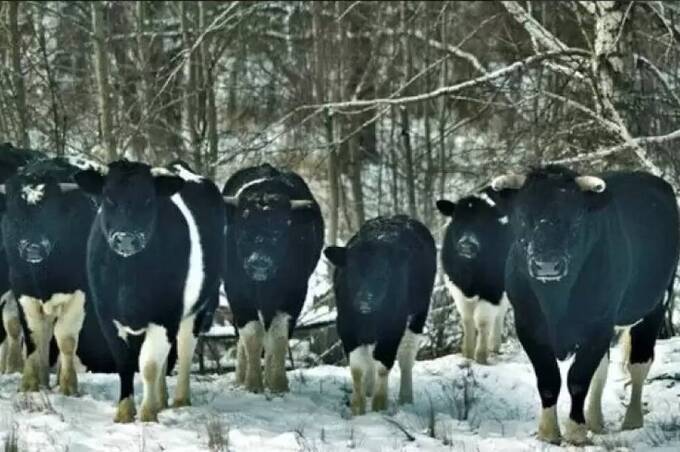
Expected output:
(550, 267)
(127, 243)
(467, 247)
(34, 252)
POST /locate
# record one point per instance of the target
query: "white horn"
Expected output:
(231, 200)
(68, 186)
(301, 204)
(508, 181)
(160, 171)
(591, 183)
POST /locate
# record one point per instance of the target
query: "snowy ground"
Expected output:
(470, 408)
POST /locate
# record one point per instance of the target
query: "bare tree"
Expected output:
(101, 63)
(17, 75)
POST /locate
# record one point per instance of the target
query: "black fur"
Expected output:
(383, 282)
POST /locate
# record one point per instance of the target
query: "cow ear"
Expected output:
(446, 208)
(3, 204)
(167, 185)
(337, 255)
(90, 181)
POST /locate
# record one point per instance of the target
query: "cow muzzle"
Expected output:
(467, 247)
(35, 252)
(127, 244)
(259, 267)
(549, 267)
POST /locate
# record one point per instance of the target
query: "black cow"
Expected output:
(153, 263)
(473, 256)
(383, 283)
(45, 229)
(589, 254)
(274, 239)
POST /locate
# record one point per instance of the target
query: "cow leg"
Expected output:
(12, 355)
(485, 315)
(547, 378)
(385, 353)
(66, 331)
(594, 418)
(466, 309)
(252, 335)
(152, 358)
(186, 344)
(642, 339)
(360, 364)
(241, 361)
(496, 336)
(163, 387)
(275, 352)
(39, 328)
(580, 376)
(406, 355)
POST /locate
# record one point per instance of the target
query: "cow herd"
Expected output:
(117, 269)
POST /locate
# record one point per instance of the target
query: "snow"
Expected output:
(474, 408)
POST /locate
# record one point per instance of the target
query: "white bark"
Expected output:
(101, 64)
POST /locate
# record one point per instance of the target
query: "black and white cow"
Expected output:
(274, 239)
(383, 283)
(473, 256)
(153, 263)
(589, 254)
(45, 229)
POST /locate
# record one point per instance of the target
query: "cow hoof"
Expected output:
(482, 358)
(148, 414)
(548, 428)
(254, 385)
(595, 422)
(30, 382)
(179, 403)
(405, 398)
(358, 406)
(68, 384)
(125, 412)
(379, 403)
(576, 433)
(468, 354)
(632, 422)
(278, 385)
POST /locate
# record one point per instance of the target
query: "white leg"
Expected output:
(548, 428)
(241, 361)
(381, 388)
(67, 330)
(369, 376)
(252, 335)
(360, 364)
(575, 433)
(275, 350)
(484, 317)
(186, 343)
(36, 371)
(638, 373)
(594, 418)
(406, 355)
(466, 309)
(496, 336)
(152, 358)
(11, 359)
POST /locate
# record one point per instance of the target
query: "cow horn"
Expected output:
(508, 181)
(591, 183)
(68, 186)
(160, 171)
(296, 204)
(231, 200)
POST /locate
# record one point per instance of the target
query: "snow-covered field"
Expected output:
(459, 406)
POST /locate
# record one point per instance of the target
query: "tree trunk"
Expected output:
(101, 64)
(190, 90)
(145, 82)
(357, 184)
(333, 204)
(17, 76)
(408, 157)
(209, 92)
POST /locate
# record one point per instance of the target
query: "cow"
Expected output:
(11, 353)
(383, 282)
(589, 254)
(274, 238)
(473, 256)
(153, 262)
(45, 228)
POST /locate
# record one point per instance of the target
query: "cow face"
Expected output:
(130, 194)
(372, 270)
(551, 219)
(261, 224)
(475, 222)
(31, 226)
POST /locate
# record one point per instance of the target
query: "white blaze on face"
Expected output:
(195, 271)
(33, 193)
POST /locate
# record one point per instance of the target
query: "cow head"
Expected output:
(130, 194)
(373, 270)
(552, 218)
(476, 222)
(260, 220)
(36, 213)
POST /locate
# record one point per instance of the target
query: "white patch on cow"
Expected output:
(594, 418)
(634, 416)
(33, 193)
(152, 358)
(548, 428)
(160, 171)
(486, 198)
(123, 330)
(11, 354)
(40, 326)
(406, 355)
(619, 328)
(275, 348)
(503, 220)
(250, 184)
(482, 322)
(362, 368)
(195, 271)
(187, 175)
(186, 344)
(251, 338)
(69, 310)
